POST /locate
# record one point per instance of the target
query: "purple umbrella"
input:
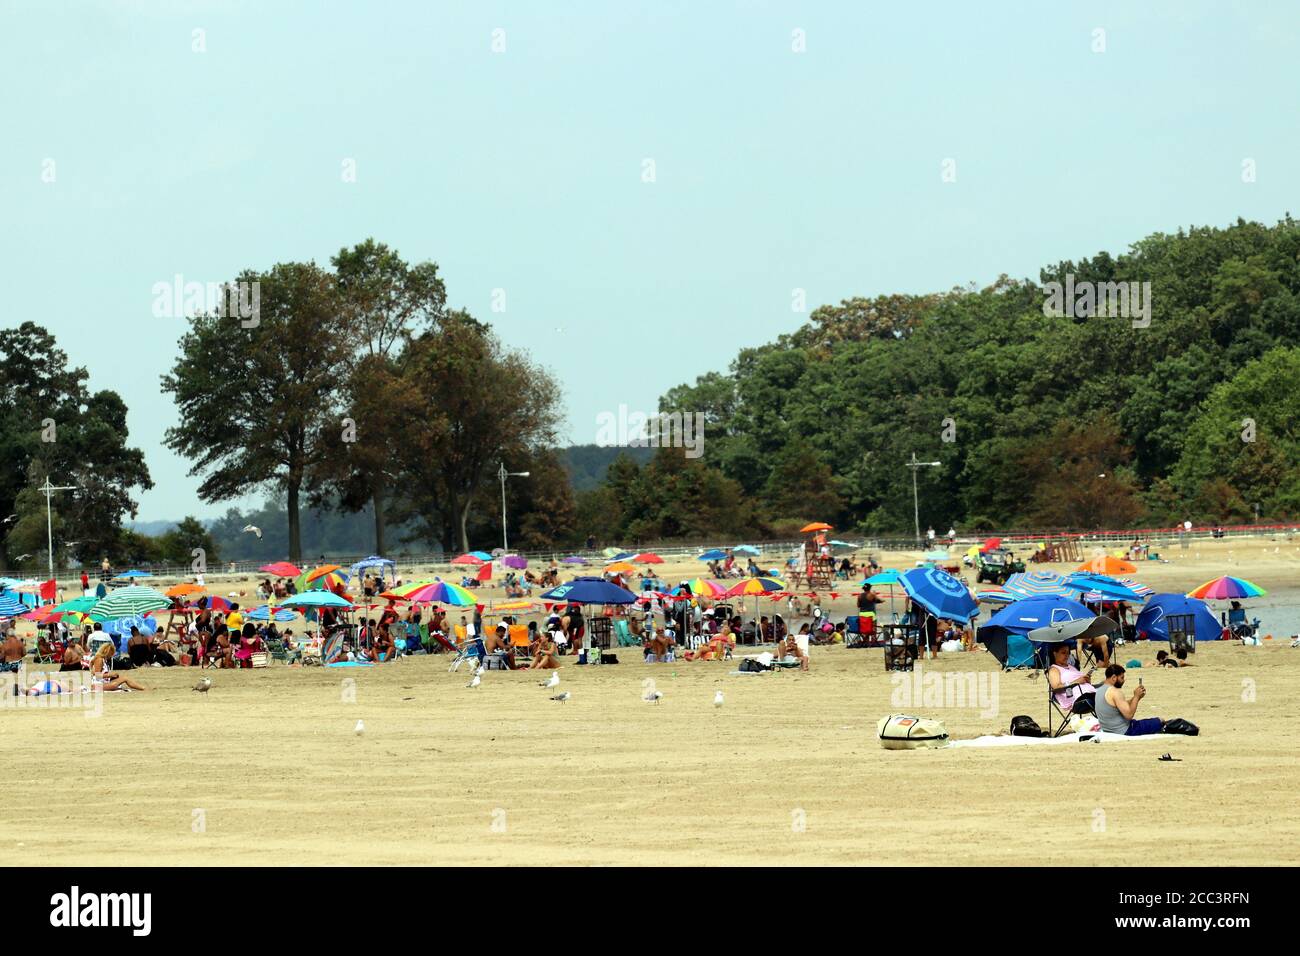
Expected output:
(514, 561)
(573, 559)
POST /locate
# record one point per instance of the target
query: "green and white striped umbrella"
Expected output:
(125, 602)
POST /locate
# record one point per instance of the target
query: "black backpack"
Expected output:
(1182, 726)
(1025, 726)
(752, 664)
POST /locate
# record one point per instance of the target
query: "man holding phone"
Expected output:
(1117, 714)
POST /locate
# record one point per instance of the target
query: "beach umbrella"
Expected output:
(1153, 621)
(1030, 583)
(267, 613)
(940, 593)
(10, 606)
(181, 590)
(127, 601)
(1226, 588)
(995, 595)
(1026, 615)
(717, 554)
(589, 590)
(991, 544)
(133, 574)
(315, 599)
(513, 607)
(649, 557)
(82, 604)
(436, 592)
(122, 626)
(515, 561)
(281, 569)
(1100, 587)
(612, 553)
(468, 559)
(815, 526)
(321, 571)
(887, 576)
(573, 559)
(481, 555)
(619, 567)
(706, 587)
(755, 587)
(1107, 564)
(214, 603)
(747, 549)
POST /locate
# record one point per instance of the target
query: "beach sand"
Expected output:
(267, 769)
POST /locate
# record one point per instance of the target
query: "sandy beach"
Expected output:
(267, 768)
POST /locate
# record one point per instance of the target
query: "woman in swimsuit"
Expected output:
(104, 677)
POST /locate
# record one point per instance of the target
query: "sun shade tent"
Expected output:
(1006, 634)
(384, 565)
(1153, 621)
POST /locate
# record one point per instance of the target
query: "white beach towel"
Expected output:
(1004, 740)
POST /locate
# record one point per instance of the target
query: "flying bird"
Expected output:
(553, 682)
(10, 518)
(562, 697)
(475, 682)
(22, 557)
(717, 699)
(253, 529)
(203, 685)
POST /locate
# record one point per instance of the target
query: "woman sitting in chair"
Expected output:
(1071, 688)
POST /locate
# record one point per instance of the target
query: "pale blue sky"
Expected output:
(522, 170)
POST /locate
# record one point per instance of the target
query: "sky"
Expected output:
(630, 191)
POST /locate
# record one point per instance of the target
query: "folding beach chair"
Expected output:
(471, 649)
(1182, 632)
(1080, 706)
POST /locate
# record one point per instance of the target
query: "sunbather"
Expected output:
(546, 657)
(1179, 659)
(104, 677)
(788, 651)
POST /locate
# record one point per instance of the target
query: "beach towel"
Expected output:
(1000, 740)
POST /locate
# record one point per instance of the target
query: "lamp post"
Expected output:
(916, 501)
(48, 490)
(503, 475)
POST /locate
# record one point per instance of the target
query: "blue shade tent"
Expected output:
(1006, 633)
(135, 574)
(1153, 621)
(589, 590)
(375, 561)
(940, 593)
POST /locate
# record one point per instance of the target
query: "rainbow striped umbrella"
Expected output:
(755, 586)
(706, 587)
(437, 592)
(1226, 588)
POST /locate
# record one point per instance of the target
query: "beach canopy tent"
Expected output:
(376, 562)
(132, 574)
(939, 592)
(589, 590)
(1153, 619)
(122, 626)
(1006, 633)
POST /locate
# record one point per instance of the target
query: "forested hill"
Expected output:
(1044, 411)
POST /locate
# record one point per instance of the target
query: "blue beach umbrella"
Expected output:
(717, 554)
(315, 599)
(589, 590)
(939, 593)
(264, 613)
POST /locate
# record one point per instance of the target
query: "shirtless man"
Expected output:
(497, 641)
(788, 649)
(11, 652)
(659, 647)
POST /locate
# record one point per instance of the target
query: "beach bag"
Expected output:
(750, 664)
(1180, 726)
(1084, 724)
(909, 732)
(1025, 726)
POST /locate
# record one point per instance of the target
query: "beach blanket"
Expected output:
(1002, 740)
(351, 664)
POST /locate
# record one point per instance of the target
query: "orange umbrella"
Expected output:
(816, 526)
(1105, 564)
(323, 570)
(619, 567)
(181, 590)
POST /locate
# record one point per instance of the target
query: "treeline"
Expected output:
(356, 387)
(1061, 420)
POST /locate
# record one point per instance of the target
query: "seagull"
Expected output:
(22, 557)
(253, 529)
(553, 682)
(717, 699)
(652, 696)
(9, 519)
(475, 682)
(562, 697)
(203, 685)
(478, 671)
(359, 729)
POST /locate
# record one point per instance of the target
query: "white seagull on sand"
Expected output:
(203, 685)
(359, 729)
(652, 696)
(717, 699)
(553, 682)
(475, 682)
(562, 697)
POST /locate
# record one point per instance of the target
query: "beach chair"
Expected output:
(470, 649)
(1182, 632)
(519, 642)
(623, 633)
(1054, 707)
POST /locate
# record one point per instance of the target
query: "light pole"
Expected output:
(48, 490)
(916, 502)
(503, 475)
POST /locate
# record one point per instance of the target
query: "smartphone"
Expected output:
(1139, 681)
